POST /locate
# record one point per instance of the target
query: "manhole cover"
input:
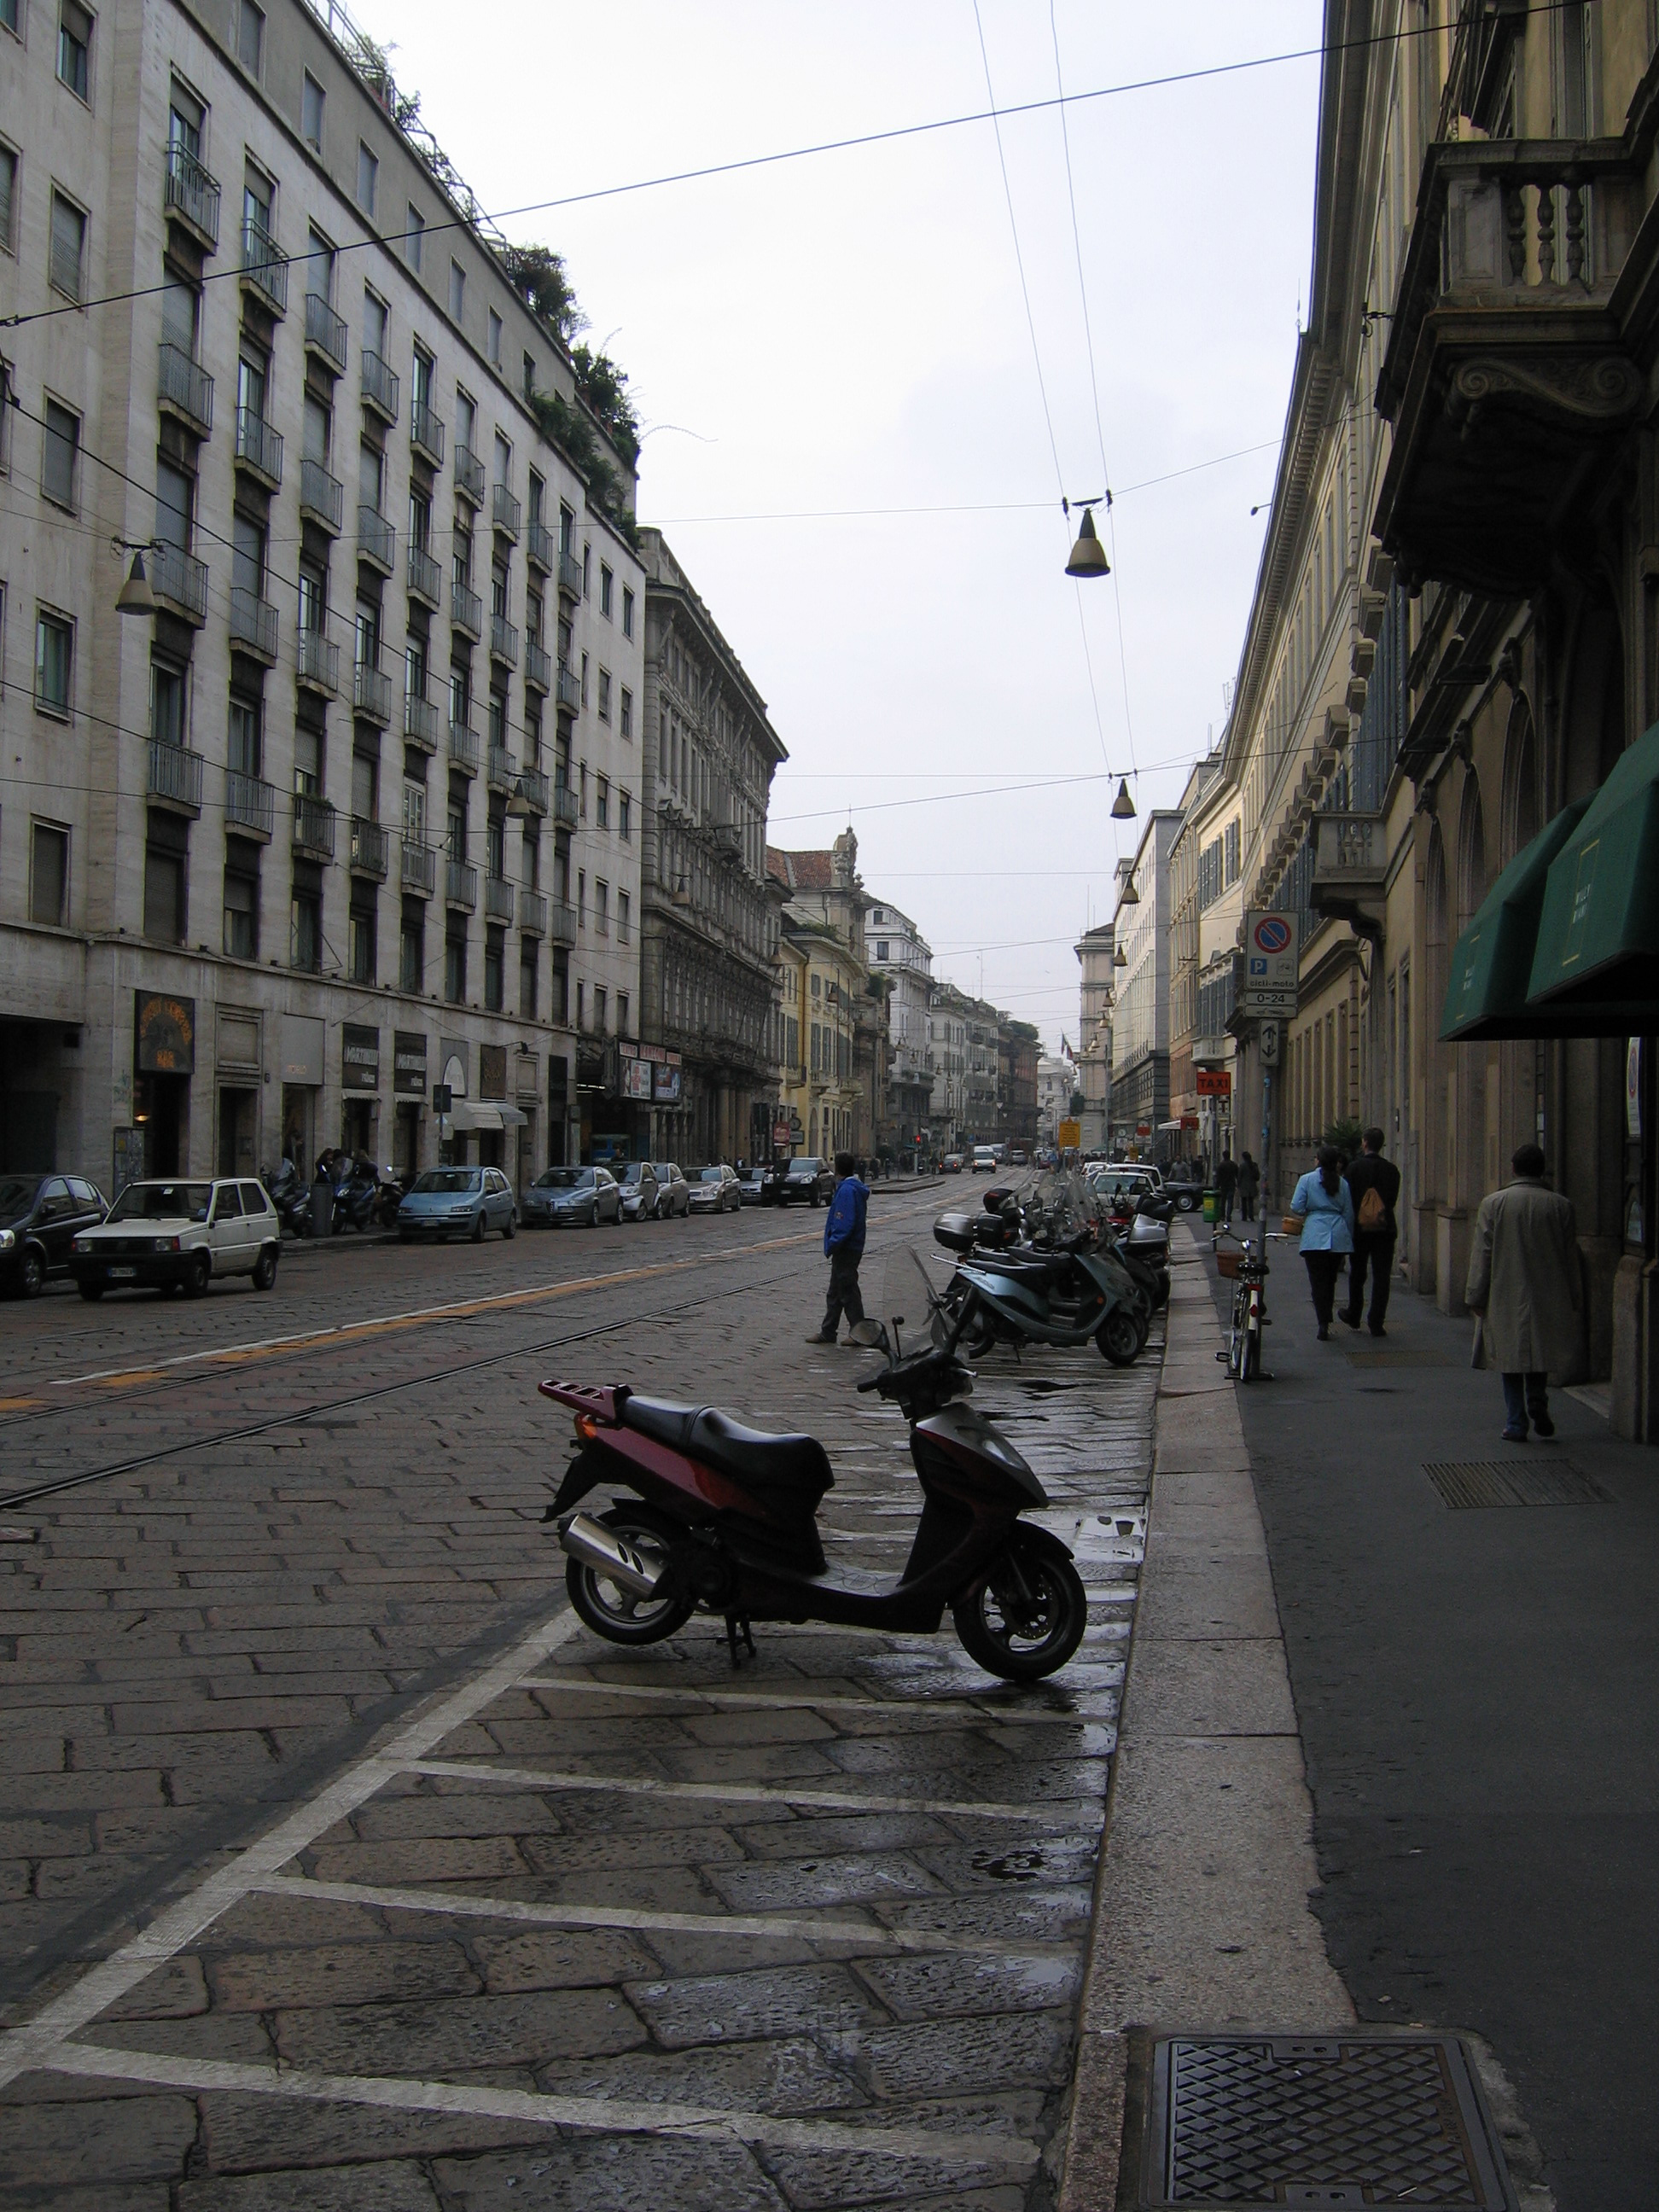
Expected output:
(1255, 2120)
(1463, 1482)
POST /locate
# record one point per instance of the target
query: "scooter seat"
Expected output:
(795, 1467)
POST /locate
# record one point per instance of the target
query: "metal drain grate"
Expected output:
(1463, 1483)
(1256, 2121)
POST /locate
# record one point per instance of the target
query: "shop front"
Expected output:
(299, 1047)
(239, 1078)
(409, 1093)
(163, 1063)
(359, 1091)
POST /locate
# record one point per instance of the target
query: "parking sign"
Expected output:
(1270, 964)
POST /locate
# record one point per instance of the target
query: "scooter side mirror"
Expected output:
(870, 1336)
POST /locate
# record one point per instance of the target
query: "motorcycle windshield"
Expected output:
(909, 1299)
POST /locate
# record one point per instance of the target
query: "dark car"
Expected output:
(805, 1181)
(39, 1216)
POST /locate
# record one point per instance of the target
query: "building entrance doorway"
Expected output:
(237, 1128)
(357, 1118)
(300, 1127)
(162, 1108)
(406, 1144)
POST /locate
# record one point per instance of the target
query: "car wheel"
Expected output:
(510, 1226)
(200, 1275)
(476, 1231)
(91, 1292)
(31, 1273)
(264, 1272)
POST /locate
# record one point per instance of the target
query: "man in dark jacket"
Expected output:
(1374, 1184)
(1226, 1183)
(843, 1247)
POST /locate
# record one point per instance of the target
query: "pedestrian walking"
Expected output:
(1250, 1182)
(1524, 1284)
(1322, 1206)
(843, 1247)
(1226, 1183)
(1374, 1186)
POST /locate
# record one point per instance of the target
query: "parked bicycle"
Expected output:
(1246, 1267)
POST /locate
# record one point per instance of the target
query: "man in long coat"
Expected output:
(1524, 1283)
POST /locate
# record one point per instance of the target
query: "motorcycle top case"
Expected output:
(955, 1231)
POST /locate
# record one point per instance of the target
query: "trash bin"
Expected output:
(322, 1207)
(1209, 1207)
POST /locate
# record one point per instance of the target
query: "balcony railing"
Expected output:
(265, 266)
(464, 747)
(417, 867)
(253, 623)
(537, 666)
(322, 496)
(313, 826)
(465, 610)
(258, 448)
(420, 723)
(469, 475)
(570, 574)
(561, 922)
(570, 689)
(175, 777)
(318, 662)
(181, 580)
(532, 913)
(326, 333)
(498, 899)
(541, 551)
(505, 512)
(377, 540)
(564, 806)
(498, 769)
(460, 885)
(425, 577)
(534, 784)
(369, 849)
(371, 692)
(503, 641)
(381, 387)
(184, 389)
(249, 803)
(192, 195)
(426, 434)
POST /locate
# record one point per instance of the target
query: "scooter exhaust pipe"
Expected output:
(593, 1544)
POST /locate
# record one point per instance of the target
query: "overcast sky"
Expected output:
(848, 332)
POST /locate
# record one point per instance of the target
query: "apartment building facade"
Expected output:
(1097, 951)
(303, 838)
(832, 1093)
(900, 957)
(1140, 1014)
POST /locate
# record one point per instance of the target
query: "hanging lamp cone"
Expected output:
(1120, 957)
(135, 597)
(1088, 555)
(1128, 896)
(1123, 807)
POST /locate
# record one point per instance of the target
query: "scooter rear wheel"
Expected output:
(1027, 1617)
(1119, 1339)
(615, 1613)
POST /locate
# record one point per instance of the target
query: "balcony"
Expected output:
(253, 624)
(417, 867)
(174, 778)
(326, 333)
(370, 847)
(313, 827)
(1512, 367)
(570, 689)
(1351, 869)
(537, 666)
(264, 268)
(498, 900)
(191, 196)
(259, 448)
(426, 435)
(425, 579)
(469, 475)
(377, 540)
(180, 581)
(499, 770)
(420, 723)
(318, 663)
(503, 642)
(562, 923)
(250, 804)
(534, 784)
(541, 551)
(464, 748)
(532, 913)
(564, 806)
(505, 512)
(460, 885)
(185, 390)
(371, 693)
(466, 610)
(380, 389)
(322, 497)
(570, 574)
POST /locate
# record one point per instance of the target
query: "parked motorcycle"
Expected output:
(726, 1518)
(1062, 1285)
(291, 1196)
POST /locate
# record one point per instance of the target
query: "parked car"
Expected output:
(808, 1181)
(673, 1192)
(716, 1191)
(1119, 1186)
(458, 1201)
(951, 1163)
(177, 1234)
(39, 1218)
(751, 1186)
(985, 1159)
(572, 1198)
(1016, 1156)
(636, 1191)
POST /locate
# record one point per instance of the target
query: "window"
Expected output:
(243, 743)
(311, 112)
(319, 266)
(75, 48)
(602, 803)
(8, 200)
(68, 243)
(567, 527)
(530, 376)
(374, 326)
(415, 237)
(9, 17)
(627, 717)
(420, 520)
(258, 202)
(455, 960)
(167, 702)
(581, 1003)
(627, 613)
(622, 1013)
(54, 654)
(624, 915)
(582, 800)
(411, 946)
(371, 476)
(881, 949)
(307, 761)
(599, 1007)
(60, 449)
(584, 675)
(493, 966)
(605, 582)
(581, 898)
(249, 35)
(601, 908)
(306, 918)
(247, 555)
(503, 459)
(241, 921)
(167, 849)
(457, 292)
(527, 979)
(368, 181)
(604, 695)
(1232, 852)
(359, 933)
(624, 815)
(493, 337)
(49, 875)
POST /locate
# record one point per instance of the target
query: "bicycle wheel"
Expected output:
(1250, 1355)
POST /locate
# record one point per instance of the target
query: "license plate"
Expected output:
(123, 1274)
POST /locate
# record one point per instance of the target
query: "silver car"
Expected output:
(572, 1198)
(716, 1191)
(459, 1201)
(636, 1187)
(673, 1192)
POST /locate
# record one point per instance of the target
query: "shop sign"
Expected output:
(780, 1133)
(1068, 1136)
(492, 1071)
(1189, 1121)
(1213, 1082)
(409, 1063)
(666, 1089)
(360, 1058)
(165, 1034)
(653, 1052)
(302, 1048)
(636, 1079)
(670, 1057)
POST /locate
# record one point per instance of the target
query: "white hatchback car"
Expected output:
(177, 1233)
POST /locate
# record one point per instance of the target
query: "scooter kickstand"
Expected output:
(733, 1622)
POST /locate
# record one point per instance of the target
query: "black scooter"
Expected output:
(291, 1197)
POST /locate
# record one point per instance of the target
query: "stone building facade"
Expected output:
(900, 956)
(1140, 1018)
(841, 1073)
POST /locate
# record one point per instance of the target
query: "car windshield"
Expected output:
(564, 1179)
(712, 1175)
(440, 1181)
(804, 1167)
(163, 1202)
(634, 1172)
(16, 1194)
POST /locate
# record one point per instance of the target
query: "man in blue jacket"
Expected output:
(843, 1247)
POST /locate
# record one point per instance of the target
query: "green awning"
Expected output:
(1491, 960)
(1597, 953)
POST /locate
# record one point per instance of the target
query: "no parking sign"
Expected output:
(1270, 964)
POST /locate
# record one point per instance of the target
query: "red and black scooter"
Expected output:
(725, 1517)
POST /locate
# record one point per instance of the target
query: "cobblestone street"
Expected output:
(343, 1866)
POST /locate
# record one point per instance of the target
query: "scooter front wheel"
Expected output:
(1027, 1617)
(1119, 1339)
(617, 1615)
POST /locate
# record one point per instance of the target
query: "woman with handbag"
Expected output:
(1322, 1208)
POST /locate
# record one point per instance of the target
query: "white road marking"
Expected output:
(744, 1793)
(764, 1700)
(862, 1934)
(592, 2115)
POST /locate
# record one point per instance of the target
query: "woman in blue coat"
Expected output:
(1323, 1204)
